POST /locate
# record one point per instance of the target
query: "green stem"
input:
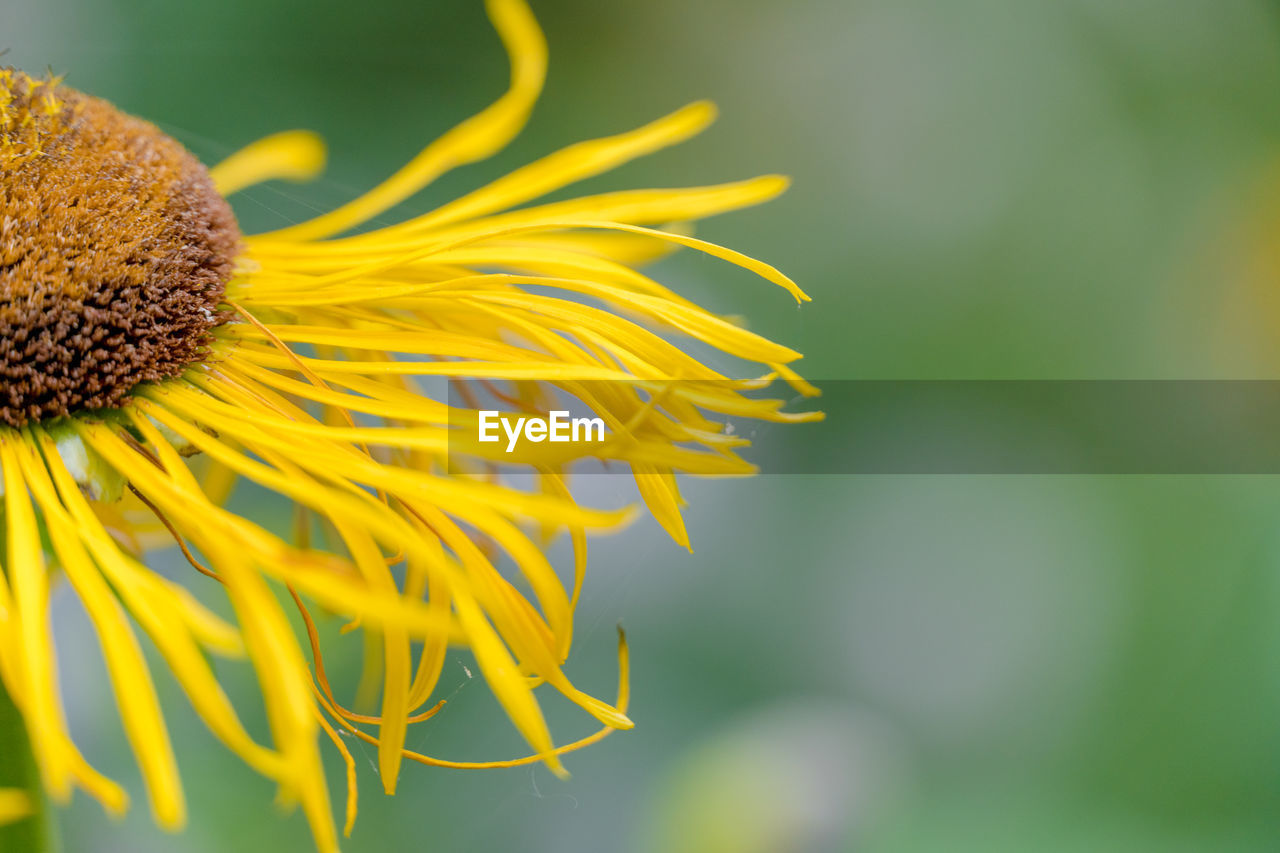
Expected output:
(18, 770)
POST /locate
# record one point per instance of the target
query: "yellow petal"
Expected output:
(475, 139)
(131, 679)
(294, 155)
(15, 805)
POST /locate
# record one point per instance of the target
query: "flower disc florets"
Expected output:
(115, 249)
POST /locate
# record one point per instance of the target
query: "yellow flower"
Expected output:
(152, 357)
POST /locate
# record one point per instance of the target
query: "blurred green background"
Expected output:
(1036, 189)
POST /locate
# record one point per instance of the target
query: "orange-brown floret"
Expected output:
(115, 249)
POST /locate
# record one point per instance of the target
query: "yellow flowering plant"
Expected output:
(152, 356)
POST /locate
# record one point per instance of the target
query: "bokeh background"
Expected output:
(988, 189)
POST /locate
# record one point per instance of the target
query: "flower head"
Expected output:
(116, 250)
(152, 357)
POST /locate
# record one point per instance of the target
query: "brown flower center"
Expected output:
(115, 249)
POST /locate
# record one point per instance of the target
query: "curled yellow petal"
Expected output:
(475, 139)
(293, 155)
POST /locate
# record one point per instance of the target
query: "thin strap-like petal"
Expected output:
(294, 155)
(478, 137)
